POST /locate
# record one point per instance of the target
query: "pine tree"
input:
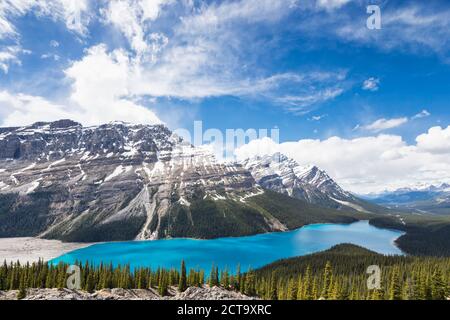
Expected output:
(238, 278)
(163, 285)
(406, 292)
(292, 290)
(250, 284)
(438, 287)
(327, 277)
(273, 290)
(90, 285)
(213, 277)
(308, 286)
(22, 290)
(182, 286)
(300, 288)
(395, 292)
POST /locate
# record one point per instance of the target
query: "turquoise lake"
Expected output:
(252, 251)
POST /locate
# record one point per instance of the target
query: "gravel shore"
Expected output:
(33, 249)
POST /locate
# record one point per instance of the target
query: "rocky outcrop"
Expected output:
(192, 293)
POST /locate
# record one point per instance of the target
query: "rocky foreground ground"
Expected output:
(193, 293)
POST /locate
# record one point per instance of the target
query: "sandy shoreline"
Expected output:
(33, 249)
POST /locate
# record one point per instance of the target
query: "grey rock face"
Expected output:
(110, 182)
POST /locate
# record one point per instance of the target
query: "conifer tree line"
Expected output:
(402, 279)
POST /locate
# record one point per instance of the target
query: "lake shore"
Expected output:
(32, 249)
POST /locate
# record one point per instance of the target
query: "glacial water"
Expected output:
(252, 251)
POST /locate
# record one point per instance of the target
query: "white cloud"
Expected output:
(101, 88)
(22, 109)
(304, 103)
(75, 14)
(318, 118)
(332, 4)
(99, 94)
(204, 57)
(9, 10)
(10, 55)
(54, 43)
(371, 84)
(369, 164)
(412, 27)
(437, 140)
(131, 18)
(55, 57)
(385, 124)
(422, 114)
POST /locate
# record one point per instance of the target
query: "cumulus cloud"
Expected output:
(22, 109)
(369, 164)
(436, 140)
(371, 84)
(101, 88)
(99, 94)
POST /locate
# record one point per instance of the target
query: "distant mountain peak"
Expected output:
(280, 173)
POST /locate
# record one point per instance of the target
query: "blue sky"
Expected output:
(310, 68)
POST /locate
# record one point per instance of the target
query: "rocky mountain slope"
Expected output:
(308, 183)
(118, 181)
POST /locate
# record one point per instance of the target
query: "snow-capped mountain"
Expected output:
(309, 183)
(433, 199)
(106, 175)
(121, 182)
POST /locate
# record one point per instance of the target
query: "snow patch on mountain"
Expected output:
(309, 183)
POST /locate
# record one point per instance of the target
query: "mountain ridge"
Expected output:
(279, 173)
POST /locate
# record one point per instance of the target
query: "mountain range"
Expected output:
(60, 180)
(431, 199)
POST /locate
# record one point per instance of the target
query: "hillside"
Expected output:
(340, 273)
(425, 235)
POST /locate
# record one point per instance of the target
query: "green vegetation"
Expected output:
(207, 219)
(340, 274)
(295, 213)
(425, 235)
(26, 218)
(336, 274)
